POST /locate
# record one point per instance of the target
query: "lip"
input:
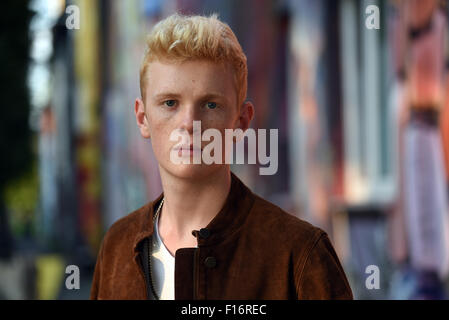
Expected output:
(188, 148)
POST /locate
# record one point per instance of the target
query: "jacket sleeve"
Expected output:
(95, 289)
(321, 275)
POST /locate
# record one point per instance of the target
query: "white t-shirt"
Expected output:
(163, 265)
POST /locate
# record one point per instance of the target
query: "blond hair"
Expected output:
(181, 38)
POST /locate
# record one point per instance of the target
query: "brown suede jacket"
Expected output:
(252, 249)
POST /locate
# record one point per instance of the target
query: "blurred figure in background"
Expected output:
(423, 209)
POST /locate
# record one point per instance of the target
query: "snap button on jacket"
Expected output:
(252, 249)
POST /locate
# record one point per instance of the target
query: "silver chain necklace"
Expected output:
(150, 252)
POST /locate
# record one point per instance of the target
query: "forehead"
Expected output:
(191, 77)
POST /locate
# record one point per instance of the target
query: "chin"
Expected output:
(193, 171)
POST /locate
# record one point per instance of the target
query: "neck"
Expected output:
(190, 204)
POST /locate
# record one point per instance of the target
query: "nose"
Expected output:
(188, 114)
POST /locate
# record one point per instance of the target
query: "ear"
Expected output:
(246, 115)
(142, 121)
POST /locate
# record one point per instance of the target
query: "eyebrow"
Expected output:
(207, 96)
(165, 95)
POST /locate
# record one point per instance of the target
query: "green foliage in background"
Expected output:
(21, 197)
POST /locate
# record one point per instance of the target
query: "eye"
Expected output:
(211, 105)
(170, 103)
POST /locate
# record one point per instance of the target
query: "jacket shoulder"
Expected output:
(318, 273)
(116, 253)
(287, 226)
(127, 226)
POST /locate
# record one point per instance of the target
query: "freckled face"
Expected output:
(177, 93)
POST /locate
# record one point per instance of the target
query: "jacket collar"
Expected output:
(229, 219)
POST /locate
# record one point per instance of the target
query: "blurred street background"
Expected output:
(362, 112)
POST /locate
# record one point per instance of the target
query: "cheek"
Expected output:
(160, 133)
(156, 122)
(220, 121)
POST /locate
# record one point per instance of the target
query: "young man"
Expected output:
(207, 236)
